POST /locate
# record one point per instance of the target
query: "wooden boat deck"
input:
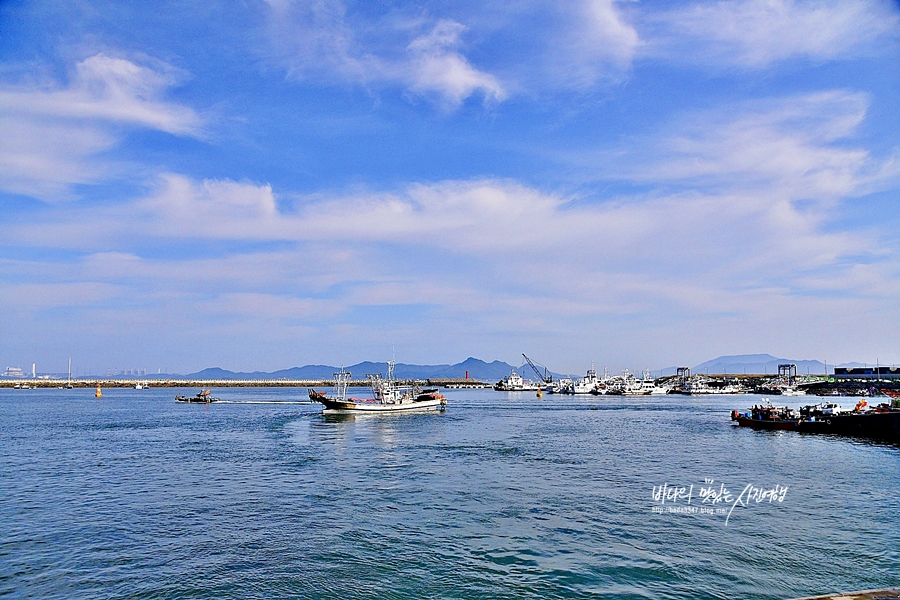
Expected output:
(883, 594)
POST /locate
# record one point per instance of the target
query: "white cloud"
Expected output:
(595, 43)
(211, 208)
(436, 67)
(791, 146)
(20, 297)
(55, 137)
(736, 179)
(314, 40)
(724, 240)
(756, 33)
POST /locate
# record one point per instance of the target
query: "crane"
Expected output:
(546, 377)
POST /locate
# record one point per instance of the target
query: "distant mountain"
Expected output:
(492, 371)
(477, 369)
(851, 365)
(496, 370)
(758, 364)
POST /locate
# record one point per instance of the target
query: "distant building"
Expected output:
(867, 373)
(14, 372)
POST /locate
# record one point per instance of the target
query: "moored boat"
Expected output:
(767, 417)
(881, 422)
(792, 391)
(514, 383)
(390, 396)
(586, 385)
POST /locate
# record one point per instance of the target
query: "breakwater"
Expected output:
(218, 383)
(750, 383)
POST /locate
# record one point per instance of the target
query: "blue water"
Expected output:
(501, 496)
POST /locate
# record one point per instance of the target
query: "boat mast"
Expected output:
(341, 381)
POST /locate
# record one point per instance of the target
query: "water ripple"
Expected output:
(136, 496)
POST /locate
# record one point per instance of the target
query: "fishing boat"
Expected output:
(390, 396)
(514, 383)
(695, 387)
(767, 417)
(792, 391)
(627, 384)
(881, 422)
(560, 386)
(202, 397)
(585, 385)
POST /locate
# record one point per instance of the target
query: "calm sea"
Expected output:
(501, 496)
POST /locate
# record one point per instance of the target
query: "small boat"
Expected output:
(202, 397)
(767, 417)
(390, 396)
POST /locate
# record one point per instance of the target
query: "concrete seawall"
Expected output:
(211, 383)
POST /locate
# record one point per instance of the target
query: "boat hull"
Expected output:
(879, 425)
(333, 406)
(768, 424)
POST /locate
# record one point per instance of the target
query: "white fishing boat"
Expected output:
(792, 391)
(390, 396)
(585, 385)
(629, 385)
(696, 387)
(514, 383)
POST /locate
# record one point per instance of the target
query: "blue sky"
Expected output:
(264, 184)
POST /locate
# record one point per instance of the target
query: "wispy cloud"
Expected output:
(314, 40)
(791, 146)
(594, 42)
(55, 135)
(757, 33)
(438, 67)
(745, 185)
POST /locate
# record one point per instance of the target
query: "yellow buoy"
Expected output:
(539, 393)
(98, 393)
